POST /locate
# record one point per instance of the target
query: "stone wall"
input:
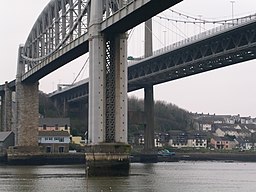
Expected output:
(27, 101)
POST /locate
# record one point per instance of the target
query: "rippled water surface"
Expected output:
(159, 177)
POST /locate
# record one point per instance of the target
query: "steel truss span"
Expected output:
(232, 46)
(60, 33)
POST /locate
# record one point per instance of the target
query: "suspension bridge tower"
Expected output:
(108, 151)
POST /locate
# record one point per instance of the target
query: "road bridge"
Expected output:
(64, 31)
(216, 48)
(219, 47)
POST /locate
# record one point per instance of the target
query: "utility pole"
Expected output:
(232, 6)
(200, 20)
(164, 39)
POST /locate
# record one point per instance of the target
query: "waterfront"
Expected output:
(185, 176)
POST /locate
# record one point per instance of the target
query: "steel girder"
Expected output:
(59, 24)
(224, 49)
(110, 90)
(60, 33)
(79, 92)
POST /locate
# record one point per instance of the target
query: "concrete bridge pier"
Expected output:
(7, 105)
(2, 112)
(27, 120)
(149, 118)
(149, 154)
(6, 109)
(107, 152)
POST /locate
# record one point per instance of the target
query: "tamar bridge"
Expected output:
(68, 29)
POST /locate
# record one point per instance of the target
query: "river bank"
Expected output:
(45, 159)
(206, 156)
(215, 156)
(79, 158)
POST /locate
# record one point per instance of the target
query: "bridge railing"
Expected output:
(206, 34)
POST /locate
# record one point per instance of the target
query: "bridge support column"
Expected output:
(108, 151)
(149, 154)
(27, 114)
(7, 108)
(2, 113)
(149, 113)
(149, 145)
(65, 108)
(27, 120)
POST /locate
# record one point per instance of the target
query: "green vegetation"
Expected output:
(46, 106)
(167, 116)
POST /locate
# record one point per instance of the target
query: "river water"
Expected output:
(160, 177)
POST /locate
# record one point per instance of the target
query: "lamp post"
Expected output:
(200, 20)
(232, 6)
(164, 39)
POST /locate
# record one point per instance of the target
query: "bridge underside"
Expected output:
(225, 49)
(140, 15)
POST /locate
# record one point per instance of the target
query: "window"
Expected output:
(61, 149)
(61, 139)
(66, 127)
(56, 126)
(48, 149)
(44, 127)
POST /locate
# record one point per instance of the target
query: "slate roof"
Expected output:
(54, 121)
(250, 126)
(53, 133)
(211, 119)
(216, 138)
(4, 135)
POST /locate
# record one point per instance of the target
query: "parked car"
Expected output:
(166, 153)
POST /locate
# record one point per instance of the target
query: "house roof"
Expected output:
(250, 126)
(216, 138)
(53, 133)
(211, 119)
(4, 135)
(226, 129)
(224, 125)
(54, 121)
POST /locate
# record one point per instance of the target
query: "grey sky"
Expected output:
(228, 90)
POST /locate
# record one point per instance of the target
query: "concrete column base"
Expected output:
(108, 159)
(24, 155)
(148, 158)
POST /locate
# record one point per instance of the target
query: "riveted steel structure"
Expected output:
(219, 47)
(65, 30)
(61, 34)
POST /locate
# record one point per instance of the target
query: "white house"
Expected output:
(54, 141)
(54, 124)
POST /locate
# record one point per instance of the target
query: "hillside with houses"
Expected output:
(174, 128)
(214, 132)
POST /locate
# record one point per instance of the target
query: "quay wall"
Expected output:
(197, 156)
(44, 159)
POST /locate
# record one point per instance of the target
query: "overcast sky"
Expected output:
(229, 90)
